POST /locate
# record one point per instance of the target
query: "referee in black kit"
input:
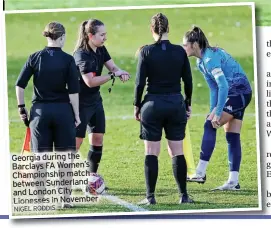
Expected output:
(91, 56)
(55, 111)
(163, 65)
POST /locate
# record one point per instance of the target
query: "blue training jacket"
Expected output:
(224, 76)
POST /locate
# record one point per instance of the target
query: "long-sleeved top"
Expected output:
(163, 66)
(224, 76)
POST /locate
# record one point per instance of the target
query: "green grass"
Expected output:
(263, 7)
(123, 158)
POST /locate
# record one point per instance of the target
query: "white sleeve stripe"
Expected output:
(217, 72)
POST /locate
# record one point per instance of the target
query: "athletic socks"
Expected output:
(207, 147)
(94, 158)
(233, 177)
(201, 168)
(234, 155)
(180, 172)
(208, 141)
(151, 174)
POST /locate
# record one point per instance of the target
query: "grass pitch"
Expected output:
(123, 157)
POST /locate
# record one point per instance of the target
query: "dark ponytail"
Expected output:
(197, 35)
(159, 24)
(82, 39)
(87, 27)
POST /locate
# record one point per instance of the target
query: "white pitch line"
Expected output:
(128, 117)
(127, 7)
(123, 203)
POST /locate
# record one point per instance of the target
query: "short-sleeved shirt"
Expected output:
(224, 75)
(55, 75)
(90, 62)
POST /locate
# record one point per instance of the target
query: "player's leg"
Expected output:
(152, 150)
(236, 106)
(232, 130)
(96, 130)
(80, 135)
(208, 145)
(174, 125)
(78, 143)
(95, 151)
(151, 133)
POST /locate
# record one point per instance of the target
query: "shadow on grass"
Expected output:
(166, 192)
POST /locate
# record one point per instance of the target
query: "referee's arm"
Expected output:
(22, 81)
(73, 88)
(188, 81)
(140, 82)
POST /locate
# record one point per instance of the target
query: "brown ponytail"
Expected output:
(197, 35)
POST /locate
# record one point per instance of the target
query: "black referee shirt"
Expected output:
(90, 62)
(55, 75)
(163, 65)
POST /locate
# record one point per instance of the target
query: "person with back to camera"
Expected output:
(163, 65)
(230, 94)
(54, 114)
(55, 110)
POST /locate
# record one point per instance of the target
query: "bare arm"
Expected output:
(94, 81)
(74, 99)
(21, 105)
(111, 66)
(20, 95)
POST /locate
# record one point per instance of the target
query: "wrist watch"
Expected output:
(111, 74)
(21, 105)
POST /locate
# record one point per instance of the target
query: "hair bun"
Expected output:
(54, 30)
(195, 28)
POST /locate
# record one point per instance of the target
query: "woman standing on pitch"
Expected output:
(90, 56)
(55, 111)
(163, 65)
(230, 94)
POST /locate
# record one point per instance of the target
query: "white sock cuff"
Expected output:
(202, 166)
(233, 176)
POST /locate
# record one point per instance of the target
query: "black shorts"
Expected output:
(92, 119)
(236, 105)
(52, 126)
(160, 112)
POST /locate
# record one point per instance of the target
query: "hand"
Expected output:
(124, 77)
(216, 122)
(189, 112)
(118, 73)
(137, 113)
(23, 113)
(77, 121)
